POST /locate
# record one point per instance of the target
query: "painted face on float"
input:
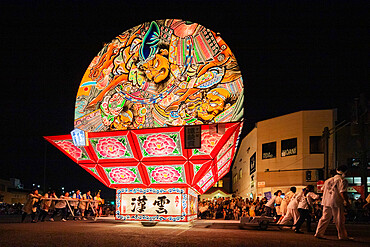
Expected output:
(157, 69)
(214, 104)
(122, 121)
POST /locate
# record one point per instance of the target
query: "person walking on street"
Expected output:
(334, 200)
(305, 204)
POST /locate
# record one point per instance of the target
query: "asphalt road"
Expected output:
(108, 232)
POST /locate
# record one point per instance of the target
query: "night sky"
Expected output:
(293, 57)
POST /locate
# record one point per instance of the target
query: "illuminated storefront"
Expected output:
(157, 117)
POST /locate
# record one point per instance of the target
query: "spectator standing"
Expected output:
(98, 204)
(278, 201)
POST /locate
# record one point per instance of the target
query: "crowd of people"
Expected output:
(10, 209)
(234, 208)
(80, 206)
(294, 207)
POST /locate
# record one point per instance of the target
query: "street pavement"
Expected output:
(109, 232)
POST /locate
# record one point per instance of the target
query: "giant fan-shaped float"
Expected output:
(135, 101)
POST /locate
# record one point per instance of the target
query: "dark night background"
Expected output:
(294, 56)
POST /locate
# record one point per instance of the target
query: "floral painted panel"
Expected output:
(78, 153)
(112, 148)
(158, 145)
(209, 142)
(166, 174)
(123, 175)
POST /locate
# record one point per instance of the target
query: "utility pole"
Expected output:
(325, 138)
(360, 125)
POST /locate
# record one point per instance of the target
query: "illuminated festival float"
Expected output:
(157, 117)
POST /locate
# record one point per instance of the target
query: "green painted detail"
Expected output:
(197, 168)
(191, 120)
(150, 168)
(127, 154)
(145, 153)
(83, 156)
(123, 141)
(174, 137)
(99, 155)
(196, 151)
(94, 142)
(180, 180)
(153, 181)
(196, 53)
(179, 169)
(136, 181)
(108, 170)
(176, 151)
(133, 170)
(142, 139)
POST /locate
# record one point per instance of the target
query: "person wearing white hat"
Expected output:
(334, 200)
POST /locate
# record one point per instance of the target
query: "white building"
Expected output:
(282, 152)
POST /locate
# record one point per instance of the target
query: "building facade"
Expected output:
(282, 152)
(10, 192)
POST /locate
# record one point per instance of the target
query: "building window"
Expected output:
(357, 180)
(252, 164)
(235, 179)
(289, 147)
(269, 150)
(221, 183)
(316, 145)
(240, 173)
(350, 180)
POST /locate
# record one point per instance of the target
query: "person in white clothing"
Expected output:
(305, 203)
(334, 200)
(284, 204)
(271, 204)
(292, 211)
(85, 203)
(77, 197)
